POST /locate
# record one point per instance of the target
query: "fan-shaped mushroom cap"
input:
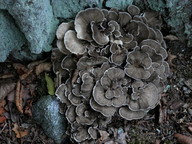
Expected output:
(73, 44)
(138, 64)
(99, 95)
(128, 114)
(98, 36)
(61, 47)
(153, 18)
(63, 28)
(133, 10)
(68, 63)
(61, 94)
(88, 83)
(148, 97)
(110, 75)
(124, 19)
(92, 132)
(86, 62)
(74, 99)
(70, 114)
(156, 46)
(106, 111)
(152, 54)
(83, 20)
(136, 85)
(81, 134)
(111, 15)
(138, 58)
(118, 54)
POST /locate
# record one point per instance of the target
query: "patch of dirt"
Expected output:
(172, 116)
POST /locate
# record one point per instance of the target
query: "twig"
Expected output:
(3, 128)
(19, 95)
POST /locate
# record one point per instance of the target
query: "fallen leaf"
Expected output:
(27, 109)
(19, 95)
(43, 67)
(162, 114)
(183, 139)
(190, 127)
(2, 103)
(170, 58)
(2, 110)
(104, 137)
(5, 89)
(171, 37)
(4, 76)
(21, 69)
(25, 75)
(50, 85)
(157, 141)
(32, 65)
(2, 119)
(19, 131)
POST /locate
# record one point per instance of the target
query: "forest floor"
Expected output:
(169, 123)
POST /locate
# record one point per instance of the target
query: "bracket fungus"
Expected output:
(106, 53)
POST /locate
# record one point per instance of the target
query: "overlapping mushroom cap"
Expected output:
(115, 66)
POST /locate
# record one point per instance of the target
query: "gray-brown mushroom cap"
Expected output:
(128, 114)
(81, 134)
(133, 10)
(70, 114)
(106, 111)
(98, 36)
(148, 97)
(73, 44)
(137, 65)
(83, 20)
(63, 28)
(61, 46)
(156, 46)
(99, 95)
(61, 93)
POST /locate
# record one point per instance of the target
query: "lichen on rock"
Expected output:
(116, 67)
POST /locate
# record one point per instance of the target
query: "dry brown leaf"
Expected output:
(157, 141)
(183, 139)
(4, 76)
(27, 109)
(5, 89)
(170, 58)
(171, 37)
(46, 66)
(19, 131)
(25, 75)
(19, 95)
(104, 137)
(189, 127)
(2, 110)
(2, 119)
(21, 69)
(2, 103)
(32, 65)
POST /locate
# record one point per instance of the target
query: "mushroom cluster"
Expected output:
(109, 64)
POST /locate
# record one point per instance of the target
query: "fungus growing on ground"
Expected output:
(105, 53)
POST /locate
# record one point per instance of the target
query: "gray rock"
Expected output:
(35, 19)
(46, 113)
(10, 36)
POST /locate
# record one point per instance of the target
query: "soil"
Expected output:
(171, 116)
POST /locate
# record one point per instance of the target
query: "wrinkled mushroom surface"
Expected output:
(115, 65)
